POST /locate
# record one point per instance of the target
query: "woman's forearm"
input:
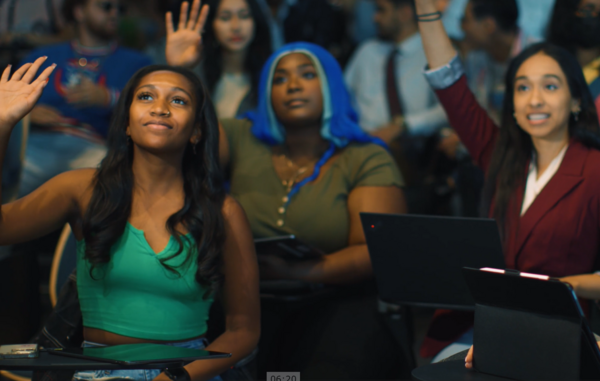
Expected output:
(351, 264)
(438, 47)
(239, 342)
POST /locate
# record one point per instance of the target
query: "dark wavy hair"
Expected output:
(559, 26)
(504, 12)
(512, 152)
(258, 50)
(110, 205)
(68, 7)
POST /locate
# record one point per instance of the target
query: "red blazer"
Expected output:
(558, 235)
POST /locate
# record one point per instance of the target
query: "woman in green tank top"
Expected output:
(157, 236)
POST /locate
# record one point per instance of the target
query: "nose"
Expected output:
(160, 109)
(235, 22)
(536, 98)
(294, 84)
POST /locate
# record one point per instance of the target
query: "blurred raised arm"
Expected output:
(53, 204)
(446, 75)
(436, 43)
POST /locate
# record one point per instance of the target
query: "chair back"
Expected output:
(65, 260)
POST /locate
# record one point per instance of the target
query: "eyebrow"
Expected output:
(299, 67)
(172, 88)
(246, 9)
(545, 76)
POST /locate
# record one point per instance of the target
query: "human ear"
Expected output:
(575, 105)
(195, 138)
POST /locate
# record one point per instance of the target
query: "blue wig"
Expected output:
(339, 122)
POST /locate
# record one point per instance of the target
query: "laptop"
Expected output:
(418, 260)
(530, 327)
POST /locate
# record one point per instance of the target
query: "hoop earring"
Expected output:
(576, 115)
(128, 139)
(194, 148)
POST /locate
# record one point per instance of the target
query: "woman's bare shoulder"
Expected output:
(79, 183)
(232, 209)
(78, 178)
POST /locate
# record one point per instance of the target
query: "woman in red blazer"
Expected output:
(542, 165)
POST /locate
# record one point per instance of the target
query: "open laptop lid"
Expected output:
(418, 260)
(522, 291)
(530, 327)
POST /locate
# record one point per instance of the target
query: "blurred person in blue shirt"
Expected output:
(70, 122)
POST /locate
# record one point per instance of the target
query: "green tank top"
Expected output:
(135, 295)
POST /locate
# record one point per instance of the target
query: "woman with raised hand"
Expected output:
(301, 165)
(236, 45)
(157, 237)
(542, 165)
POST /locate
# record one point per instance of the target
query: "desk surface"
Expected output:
(451, 370)
(47, 361)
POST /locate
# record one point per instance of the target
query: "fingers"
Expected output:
(36, 93)
(31, 72)
(183, 13)
(20, 71)
(469, 359)
(5, 74)
(169, 22)
(193, 20)
(202, 19)
(45, 74)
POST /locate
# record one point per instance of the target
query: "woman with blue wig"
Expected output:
(301, 165)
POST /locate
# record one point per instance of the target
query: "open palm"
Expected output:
(184, 46)
(19, 93)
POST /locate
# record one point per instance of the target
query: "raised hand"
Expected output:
(184, 46)
(19, 93)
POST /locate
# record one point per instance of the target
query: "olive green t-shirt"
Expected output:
(318, 213)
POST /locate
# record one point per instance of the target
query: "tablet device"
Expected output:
(138, 354)
(288, 247)
(418, 260)
(530, 327)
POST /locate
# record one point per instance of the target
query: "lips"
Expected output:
(236, 39)
(296, 102)
(158, 124)
(538, 119)
(538, 116)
